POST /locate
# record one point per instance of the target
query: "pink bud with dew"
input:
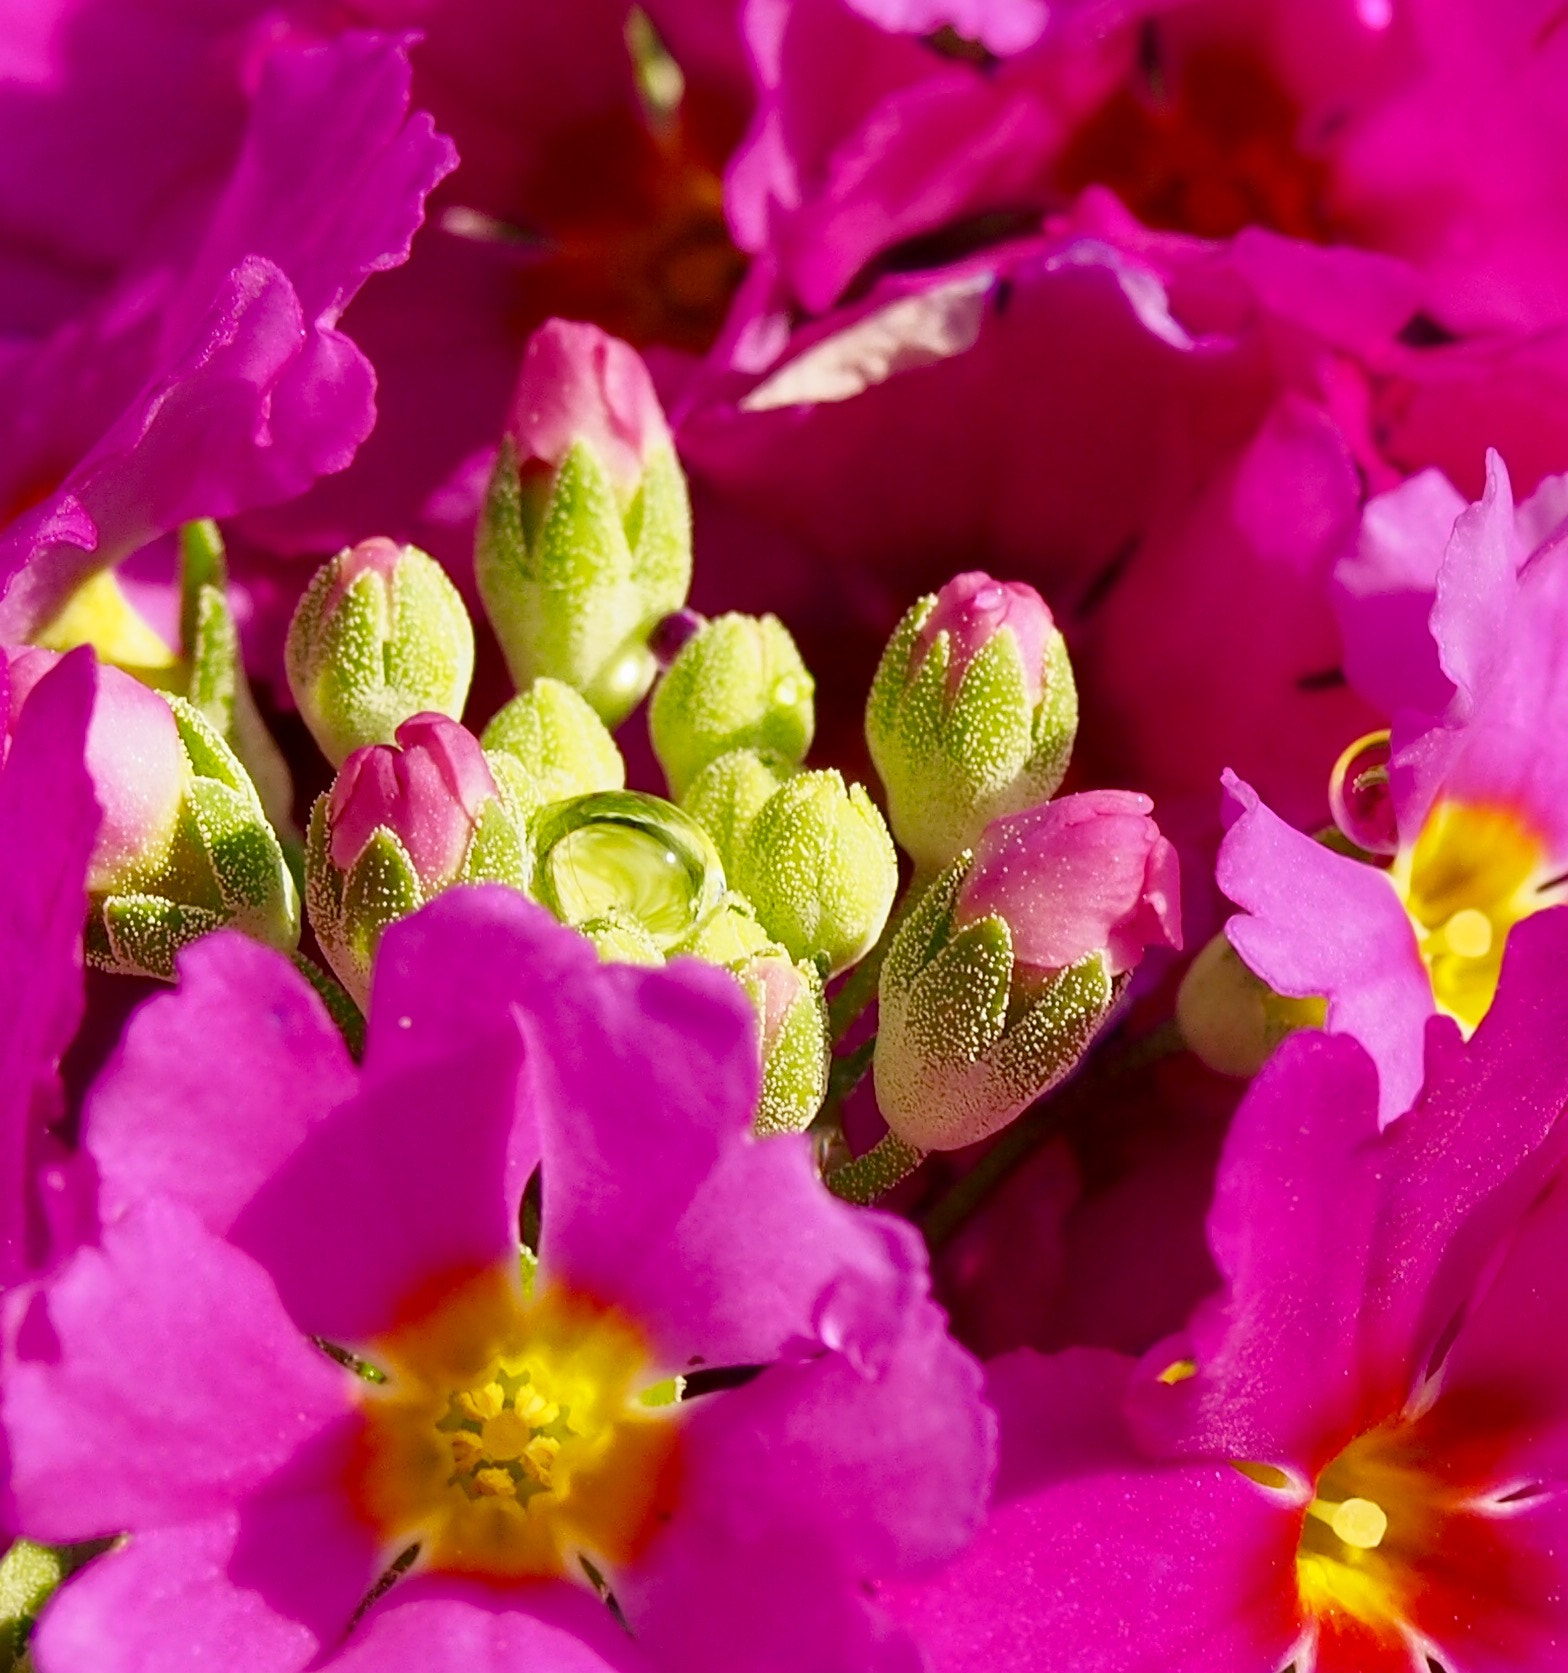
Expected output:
(1085, 873)
(972, 609)
(429, 789)
(579, 384)
(134, 757)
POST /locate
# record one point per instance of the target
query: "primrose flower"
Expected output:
(972, 714)
(584, 544)
(365, 1419)
(49, 820)
(1352, 1458)
(998, 980)
(173, 340)
(401, 823)
(1464, 808)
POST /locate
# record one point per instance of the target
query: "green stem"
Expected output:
(860, 986)
(877, 1172)
(1019, 1141)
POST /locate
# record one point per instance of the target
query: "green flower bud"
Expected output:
(626, 856)
(1231, 1019)
(380, 636)
(820, 868)
(972, 714)
(547, 745)
(966, 1040)
(401, 823)
(218, 864)
(738, 683)
(584, 541)
(792, 1036)
(728, 794)
(621, 940)
(731, 936)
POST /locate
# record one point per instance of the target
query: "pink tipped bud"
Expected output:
(972, 609)
(429, 790)
(578, 384)
(1083, 874)
(135, 759)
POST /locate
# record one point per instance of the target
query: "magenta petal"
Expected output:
(215, 1086)
(441, 1139)
(1095, 1559)
(1291, 1229)
(157, 1380)
(1321, 924)
(447, 1627)
(645, 1212)
(48, 823)
(168, 1586)
(1383, 595)
(235, 1591)
(1474, 1151)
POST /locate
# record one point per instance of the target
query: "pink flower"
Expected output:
(1081, 874)
(1352, 1458)
(1477, 791)
(191, 203)
(262, 1196)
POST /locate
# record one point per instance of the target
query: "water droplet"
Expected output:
(1361, 796)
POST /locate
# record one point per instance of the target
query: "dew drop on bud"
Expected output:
(1361, 796)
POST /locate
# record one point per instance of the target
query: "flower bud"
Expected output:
(1232, 1020)
(739, 683)
(627, 857)
(136, 763)
(728, 794)
(584, 542)
(820, 868)
(401, 823)
(792, 1036)
(379, 636)
(972, 714)
(1000, 977)
(547, 745)
(184, 847)
(731, 936)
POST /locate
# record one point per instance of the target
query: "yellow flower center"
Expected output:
(512, 1435)
(1474, 871)
(1375, 1518)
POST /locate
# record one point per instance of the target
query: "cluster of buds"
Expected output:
(184, 846)
(1027, 915)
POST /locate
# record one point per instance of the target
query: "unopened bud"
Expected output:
(998, 980)
(624, 856)
(1231, 1019)
(184, 847)
(731, 936)
(584, 542)
(792, 1036)
(380, 635)
(728, 794)
(739, 683)
(972, 714)
(819, 866)
(401, 823)
(547, 745)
